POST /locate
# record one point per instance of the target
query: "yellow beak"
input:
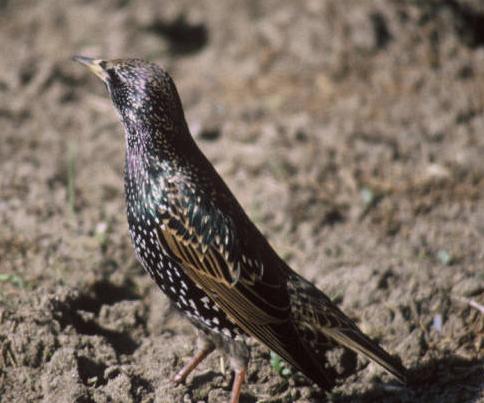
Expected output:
(93, 64)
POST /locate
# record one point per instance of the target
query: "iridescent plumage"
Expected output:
(195, 240)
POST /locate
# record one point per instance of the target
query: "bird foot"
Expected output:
(182, 375)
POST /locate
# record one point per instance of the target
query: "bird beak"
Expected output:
(95, 65)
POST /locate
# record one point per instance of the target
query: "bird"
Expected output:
(195, 240)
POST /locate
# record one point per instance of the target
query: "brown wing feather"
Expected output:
(209, 269)
(259, 304)
(276, 306)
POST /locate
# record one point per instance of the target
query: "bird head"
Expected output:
(143, 94)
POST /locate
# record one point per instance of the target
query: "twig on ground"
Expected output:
(470, 302)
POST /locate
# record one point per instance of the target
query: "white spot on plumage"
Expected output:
(226, 332)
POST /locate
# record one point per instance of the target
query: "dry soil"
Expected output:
(351, 131)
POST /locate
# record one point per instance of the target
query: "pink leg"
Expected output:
(192, 364)
(238, 381)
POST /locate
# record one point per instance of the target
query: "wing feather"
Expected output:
(253, 298)
(212, 252)
(214, 273)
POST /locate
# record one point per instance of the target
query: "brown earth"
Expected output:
(351, 131)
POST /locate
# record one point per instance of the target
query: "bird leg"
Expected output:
(239, 355)
(237, 385)
(203, 351)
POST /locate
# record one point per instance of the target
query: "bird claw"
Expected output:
(182, 375)
(177, 379)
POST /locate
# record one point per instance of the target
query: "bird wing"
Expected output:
(208, 246)
(275, 305)
(253, 296)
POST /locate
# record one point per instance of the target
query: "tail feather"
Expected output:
(317, 318)
(356, 341)
(296, 353)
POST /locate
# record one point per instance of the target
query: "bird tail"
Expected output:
(319, 320)
(356, 341)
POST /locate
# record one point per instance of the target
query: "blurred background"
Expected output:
(351, 131)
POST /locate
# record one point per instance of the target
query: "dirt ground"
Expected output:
(351, 131)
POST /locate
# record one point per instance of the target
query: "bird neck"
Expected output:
(153, 150)
(142, 175)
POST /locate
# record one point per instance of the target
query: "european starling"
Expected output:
(195, 240)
